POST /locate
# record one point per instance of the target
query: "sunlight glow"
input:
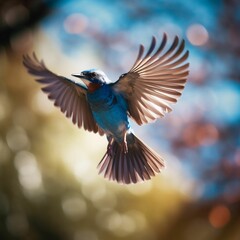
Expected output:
(41, 104)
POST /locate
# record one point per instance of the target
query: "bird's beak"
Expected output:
(78, 75)
(81, 84)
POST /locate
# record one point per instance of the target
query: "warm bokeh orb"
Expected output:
(197, 34)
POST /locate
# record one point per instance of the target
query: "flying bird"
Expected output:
(99, 105)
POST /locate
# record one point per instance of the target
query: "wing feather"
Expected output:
(68, 96)
(155, 80)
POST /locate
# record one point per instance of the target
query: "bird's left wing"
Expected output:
(66, 94)
(155, 80)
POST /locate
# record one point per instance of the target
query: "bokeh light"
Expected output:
(75, 23)
(197, 34)
(15, 14)
(219, 216)
(28, 172)
(74, 207)
(17, 139)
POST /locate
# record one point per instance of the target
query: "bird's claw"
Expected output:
(125, 147)
(109, 149)
(124, 144)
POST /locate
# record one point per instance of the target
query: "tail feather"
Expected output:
(138, 164)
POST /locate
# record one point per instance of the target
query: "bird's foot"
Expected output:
(125, 147)
(124, 144)
(109, 147)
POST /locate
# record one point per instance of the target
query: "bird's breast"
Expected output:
(109, 112)
(92, 87)
(102, 99)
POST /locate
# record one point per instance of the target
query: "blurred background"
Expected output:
(49, 186)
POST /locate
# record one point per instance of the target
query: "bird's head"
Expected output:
(93, 79)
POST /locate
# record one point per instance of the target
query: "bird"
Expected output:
(97, 104)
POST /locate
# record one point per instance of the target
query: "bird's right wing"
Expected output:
(65, 93)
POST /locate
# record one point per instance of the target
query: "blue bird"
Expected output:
(97, 104)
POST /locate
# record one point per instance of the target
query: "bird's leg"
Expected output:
(124, 144)
(109, 147)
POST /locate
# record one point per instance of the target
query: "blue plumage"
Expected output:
(109, 111)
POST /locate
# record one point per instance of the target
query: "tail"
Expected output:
(138, 163)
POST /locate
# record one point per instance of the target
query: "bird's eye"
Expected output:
(93, 74)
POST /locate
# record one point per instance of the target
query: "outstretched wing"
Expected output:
(65, 93)
(155, 80)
